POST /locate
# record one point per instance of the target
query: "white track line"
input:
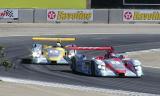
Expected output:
(75, 87)
(152, 67)
(143, 51)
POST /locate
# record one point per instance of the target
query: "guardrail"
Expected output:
(108, 16)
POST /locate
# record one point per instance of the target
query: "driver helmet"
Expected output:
(59, 44)
(121, 56)
(112, 55)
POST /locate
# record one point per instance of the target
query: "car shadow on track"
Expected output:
(82, 74)
(68, 70)
(45, 64)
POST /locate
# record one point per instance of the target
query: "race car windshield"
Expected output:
(53, 53)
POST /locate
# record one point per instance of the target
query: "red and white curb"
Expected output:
(74, 87)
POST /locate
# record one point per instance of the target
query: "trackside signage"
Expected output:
(8, 13)
(141, 15)
(70, 15)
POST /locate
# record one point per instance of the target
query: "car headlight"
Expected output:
(34, 54)
(51, 51)
(101, 67)
(136, 62)
(101, 64)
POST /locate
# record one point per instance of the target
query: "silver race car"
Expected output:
(109, 64)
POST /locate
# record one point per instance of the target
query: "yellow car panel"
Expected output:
(56, 53)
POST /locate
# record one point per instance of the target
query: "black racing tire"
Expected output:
(93, 68)
(73, 65)
(26, 61)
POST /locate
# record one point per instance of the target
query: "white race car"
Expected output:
(110, 64)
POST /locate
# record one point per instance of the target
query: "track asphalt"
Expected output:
(18, 47)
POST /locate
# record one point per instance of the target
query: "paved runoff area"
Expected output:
(149, 58)
(34, 29)
(19, 87)
(14, 89)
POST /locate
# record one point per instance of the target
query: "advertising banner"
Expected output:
(141, 15)
(8, 13)
(69, 15)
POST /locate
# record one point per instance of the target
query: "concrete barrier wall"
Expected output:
(9, 20)
(25, 15)
(115, 16)
(100, 16)
(40, 16)
(108, 16)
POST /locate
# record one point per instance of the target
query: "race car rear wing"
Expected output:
(53, 39)
(109, 48)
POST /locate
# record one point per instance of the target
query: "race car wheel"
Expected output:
(93, 68)
(73, 65)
